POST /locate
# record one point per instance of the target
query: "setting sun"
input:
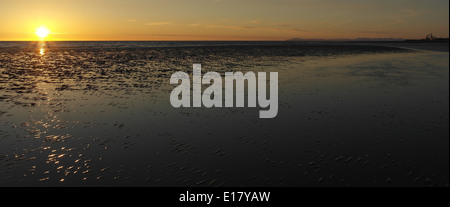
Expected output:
(42, 32)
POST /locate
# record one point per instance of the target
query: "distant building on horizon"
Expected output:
(430, 38)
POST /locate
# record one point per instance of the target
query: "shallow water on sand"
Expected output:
(349, 115)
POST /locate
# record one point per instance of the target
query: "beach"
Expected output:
(99, 114)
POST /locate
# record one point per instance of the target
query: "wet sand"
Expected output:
(372, 118)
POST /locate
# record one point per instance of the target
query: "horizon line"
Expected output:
(363, 39)
(303, 40)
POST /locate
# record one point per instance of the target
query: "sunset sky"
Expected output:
(222, 19)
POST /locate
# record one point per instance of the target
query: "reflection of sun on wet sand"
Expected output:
(348, 115)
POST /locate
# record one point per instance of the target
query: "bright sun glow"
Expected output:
(42, 32)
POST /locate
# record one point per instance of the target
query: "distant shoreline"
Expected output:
(428, 41)
(289, 40)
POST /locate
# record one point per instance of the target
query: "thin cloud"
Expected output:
(342, 22)
(157, 23)
(299, 30)
(393, 22)
(270, 29)
(412, 13)
(231, 27)
(256, 21)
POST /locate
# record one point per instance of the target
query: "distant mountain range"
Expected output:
(348, 40)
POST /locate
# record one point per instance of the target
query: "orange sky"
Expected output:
(222, 19)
